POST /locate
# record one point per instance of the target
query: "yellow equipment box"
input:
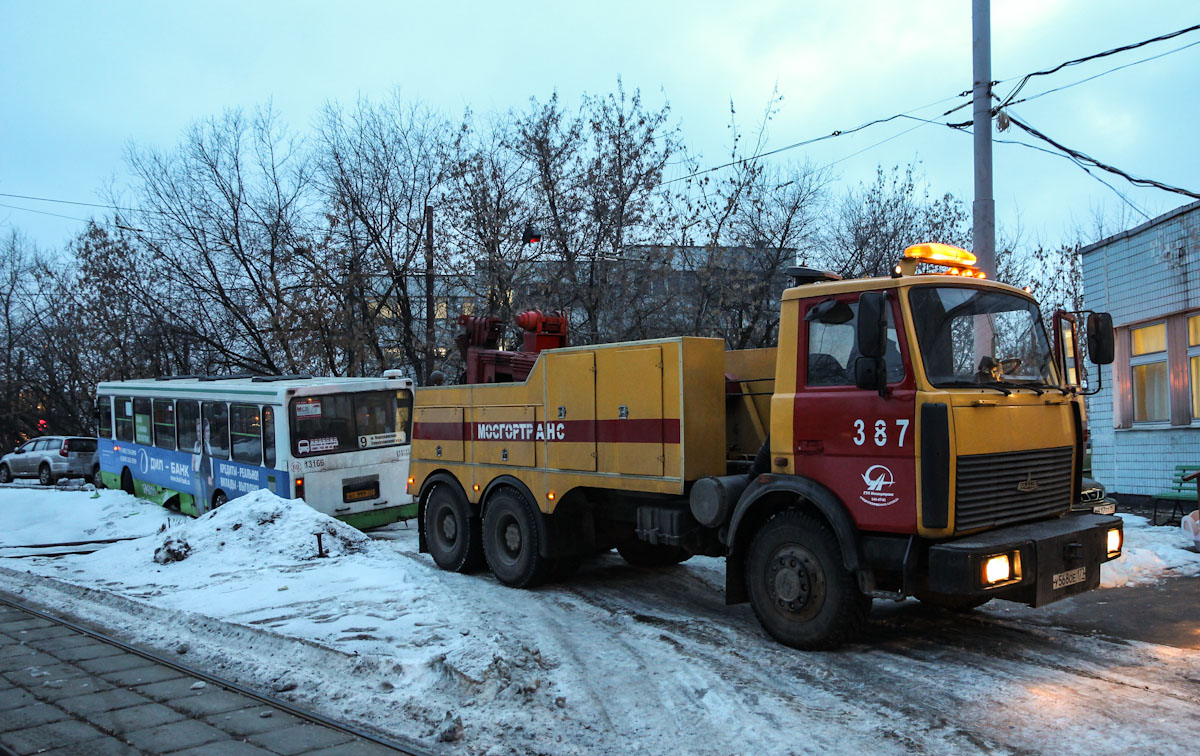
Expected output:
(645, 416)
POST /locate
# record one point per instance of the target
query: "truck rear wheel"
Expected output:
(510, 540)
(452, 535)
(800, 591)
(642, 554)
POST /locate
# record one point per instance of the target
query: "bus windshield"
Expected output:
(334, 423)
(980, 337)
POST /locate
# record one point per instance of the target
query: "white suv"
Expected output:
(50, 458)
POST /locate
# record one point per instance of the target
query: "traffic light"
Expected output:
(531, 235)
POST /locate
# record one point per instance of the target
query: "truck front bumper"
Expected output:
(1047, 561)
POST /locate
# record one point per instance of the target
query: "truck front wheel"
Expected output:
(510, 540)
(451, 533)
(800, 591)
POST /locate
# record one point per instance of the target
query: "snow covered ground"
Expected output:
(618, 659)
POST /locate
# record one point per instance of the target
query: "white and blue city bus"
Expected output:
(193, 443)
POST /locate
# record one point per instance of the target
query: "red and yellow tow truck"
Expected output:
(917, 435)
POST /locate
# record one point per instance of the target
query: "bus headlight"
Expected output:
(997, 569)
(1114, 542)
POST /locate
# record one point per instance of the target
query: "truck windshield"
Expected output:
(978, 336)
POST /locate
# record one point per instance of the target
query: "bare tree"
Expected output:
(223, 217)
(874, 224)
(380, 165)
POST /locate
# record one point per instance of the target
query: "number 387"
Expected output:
(879, 432)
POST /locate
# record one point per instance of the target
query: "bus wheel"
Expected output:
(510, 540)
(127, 482)
(219, 499)
(97, 481)
(44, 475)
(5, 474)
(452, 535)
(800, 591)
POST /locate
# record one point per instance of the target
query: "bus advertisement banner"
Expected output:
(182, 472)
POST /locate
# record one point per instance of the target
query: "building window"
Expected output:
(1194, 362)
(1148, 363)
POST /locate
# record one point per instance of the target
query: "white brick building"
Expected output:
(1146, 419)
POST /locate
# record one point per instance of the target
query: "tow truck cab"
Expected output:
(936, 412)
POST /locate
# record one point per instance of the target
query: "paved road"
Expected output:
(65, 693)
(1167, 613)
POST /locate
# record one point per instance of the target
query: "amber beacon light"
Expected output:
(957, 261)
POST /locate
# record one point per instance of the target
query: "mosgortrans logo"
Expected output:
(520, 432)
(879, 481)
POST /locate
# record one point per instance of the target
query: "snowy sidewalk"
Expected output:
(619, 659)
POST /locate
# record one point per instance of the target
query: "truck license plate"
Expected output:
(1104, 509)
(1070, 577)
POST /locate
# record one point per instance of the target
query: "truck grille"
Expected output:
(1010, 487)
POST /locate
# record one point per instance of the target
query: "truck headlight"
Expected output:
(1114, 542)
(997, 569)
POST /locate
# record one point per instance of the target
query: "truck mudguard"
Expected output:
(761, 500)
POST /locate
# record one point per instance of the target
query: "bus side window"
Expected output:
(124, 418)
(164, 423)
(268, 436)
(104, 412)
(216, 428)
(404, 405)
(142, 422)
(245, 433)
(187, 415)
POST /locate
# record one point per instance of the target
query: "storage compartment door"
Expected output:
(438, 434)
(629, 410)
(569, 429)
(504, 436)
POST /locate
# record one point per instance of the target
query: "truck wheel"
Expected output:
(452, 535)
(5, 474)
(510, 540)
(951, 603)
(800, 591)
(44, 475)
(642, 554)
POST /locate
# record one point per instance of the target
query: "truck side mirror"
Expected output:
(1100, 340)
(872, 324)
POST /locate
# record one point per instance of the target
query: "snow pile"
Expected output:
(1150, 553)
(242, 533)
(31, 516)
(261, 523)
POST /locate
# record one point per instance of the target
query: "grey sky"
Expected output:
(78, 81)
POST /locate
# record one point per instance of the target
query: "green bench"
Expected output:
(1184, 489)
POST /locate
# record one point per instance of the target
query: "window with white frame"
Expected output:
(1149, 377)
(1194, 363)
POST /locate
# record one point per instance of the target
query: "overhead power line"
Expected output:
(1102, 73)
(1089, 160)
(1076, 61)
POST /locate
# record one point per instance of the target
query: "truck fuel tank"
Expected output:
(712, 499)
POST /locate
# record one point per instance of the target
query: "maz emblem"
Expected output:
(1029, 485)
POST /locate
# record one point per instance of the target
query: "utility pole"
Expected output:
(983, 209)
(430, 305)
